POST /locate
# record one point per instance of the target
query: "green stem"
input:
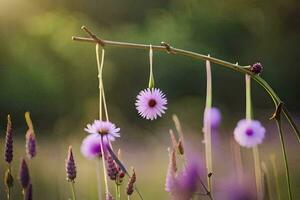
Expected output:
(151, 76)
(283, 149)
(207, 125)
(8, 193)
(118, 192)
(73, 190)
(249, 115)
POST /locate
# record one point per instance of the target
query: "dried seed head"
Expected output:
(28, 192)
(9, 141)
(30, 144)
(70, 166)
(8, 179)
(180, 147)
(256, 68)
(24, 177)
(130, 186)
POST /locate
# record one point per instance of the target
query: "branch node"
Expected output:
(168, 47)
(277, 114)
(93, 36)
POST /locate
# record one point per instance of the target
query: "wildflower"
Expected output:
(249, 133)
(24, 177)
(214, 115)
(70, 166)
(151, 103)
(256, 68)
(9, 142)
(130, 186)
(30, 144)
(90, 147)
(106, 129)
(112, 169)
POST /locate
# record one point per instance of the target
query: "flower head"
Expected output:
(70, 166)
(256, 68)
(90, 147)
(106, 129)
(214, 115)
(151, 103)
(30, 144)
(24, 177)
(9, 141)
(249, 133)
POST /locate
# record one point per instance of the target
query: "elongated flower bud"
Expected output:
(30, 144)
(130, 186)
(70, 166)
(28, 192)
(24, 177)
(112, 169)
(8, 179)
(9, 141)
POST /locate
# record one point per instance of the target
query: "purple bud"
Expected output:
(256, 68)
(24, 177)
(112, 169)
(9, 141)
(28, 192)
(70, 166)
(30, 144)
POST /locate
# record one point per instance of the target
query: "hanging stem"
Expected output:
(249, 116)
(207, 125)
(98, 178)
(151, 76)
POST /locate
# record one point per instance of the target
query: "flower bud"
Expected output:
(256, 68)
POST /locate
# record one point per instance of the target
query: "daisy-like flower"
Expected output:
(107, 130)
(151, 103)
(90, 147)
(249, 133)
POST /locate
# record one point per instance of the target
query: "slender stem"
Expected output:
(8, 193)
(275, 174)
(73, 190)
(249, 116)
(151, 76)
(207, 125)
(267, 181)
(118, 192)
(279, 126)
(104, 167)
(175, 51)
(100, 67)
(291, 122)
(98, 178)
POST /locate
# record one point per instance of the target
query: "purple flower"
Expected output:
(214, 115)
(106, 129)
(90, 147)
(151, 103)
(28, 192)
(30, 144)
(249, 133)
(24, 177)
(9, 141)
(70, 166)
(256, 68)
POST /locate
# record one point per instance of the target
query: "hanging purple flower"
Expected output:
(249, 133)
(106, 129)
(214, 115)
(151, 103)
(90, 147)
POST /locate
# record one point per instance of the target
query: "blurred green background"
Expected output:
(43, 71)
